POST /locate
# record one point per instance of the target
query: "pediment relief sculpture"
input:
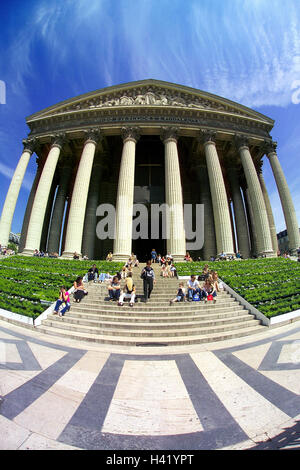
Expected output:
(149, 97)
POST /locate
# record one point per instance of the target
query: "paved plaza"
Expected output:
(237, 394)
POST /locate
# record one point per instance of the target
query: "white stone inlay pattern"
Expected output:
(254, 413)
(151, 399)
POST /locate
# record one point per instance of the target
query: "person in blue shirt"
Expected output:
(153, 256)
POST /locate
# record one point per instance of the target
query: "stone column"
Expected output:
(79, 196)
(219, 196)
(270, 213)
(59, 207)
(261, 221)
(239, 213)
(209, 247)
(176, 244)
(288, 208)
(29, 206)
(13, 192)
(48, 213)
(251, 224)
(39, 206)
(123, 221)
(90, 222)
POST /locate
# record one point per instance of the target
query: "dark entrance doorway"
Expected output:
(149, 189)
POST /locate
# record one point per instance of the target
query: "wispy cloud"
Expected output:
(245, 51)
(8, 173)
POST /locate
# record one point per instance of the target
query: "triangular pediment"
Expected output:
(148, 93)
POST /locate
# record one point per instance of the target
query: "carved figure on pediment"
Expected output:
(150, 98)
(163, 100)
(140, 99)
(195, 105)
(126, 100)
(113, 102)
(177, 101)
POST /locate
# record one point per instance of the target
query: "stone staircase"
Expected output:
(154, 323)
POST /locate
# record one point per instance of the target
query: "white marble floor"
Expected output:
(58, 394)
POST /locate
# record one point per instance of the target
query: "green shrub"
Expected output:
(272, 285)
(26, 282)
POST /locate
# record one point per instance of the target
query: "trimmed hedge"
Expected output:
(272, 285)
(27, 282)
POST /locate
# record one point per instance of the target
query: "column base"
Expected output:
(120, 257)
(69, 255)
(26, 252)
(267, 254)
(178, 258)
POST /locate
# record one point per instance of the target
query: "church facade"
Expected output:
(149, 144)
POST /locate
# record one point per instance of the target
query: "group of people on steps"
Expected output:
(204, 288)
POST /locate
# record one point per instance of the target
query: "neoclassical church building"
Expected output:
(152, 143)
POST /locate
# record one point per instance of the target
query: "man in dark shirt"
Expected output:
(148, 277)
(93, 273)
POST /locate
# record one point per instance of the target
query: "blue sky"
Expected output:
(244, 50)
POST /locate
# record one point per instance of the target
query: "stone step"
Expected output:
(164, 295)
(132, 324)
(150, 333)
(148, 341)
(146, 309)
(156, 322)
(135, 318)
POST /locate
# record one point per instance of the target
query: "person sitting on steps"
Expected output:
(209, 289)
(193, 288)
(64, 298)
(128, 292)
(79, 291)
(114, 289)
(180, 297)
(93, 273)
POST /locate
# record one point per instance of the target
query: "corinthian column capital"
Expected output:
(207, 136)
(93, 135)
(58, 140)
(30, 144)
(169, 133)
(241, 141)
(132, 133)
(270, 147)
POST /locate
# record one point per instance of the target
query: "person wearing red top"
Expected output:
(64, 297)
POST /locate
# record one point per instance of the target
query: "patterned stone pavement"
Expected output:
(238, 394)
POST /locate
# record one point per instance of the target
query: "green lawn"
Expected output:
(25, 282)
(271, 285)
